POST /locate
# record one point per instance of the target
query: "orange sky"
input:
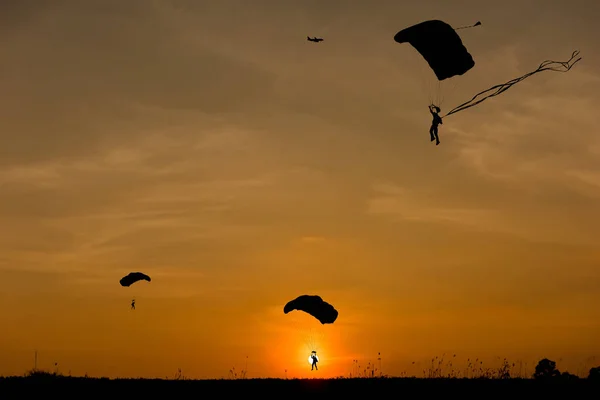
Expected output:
(211, 146)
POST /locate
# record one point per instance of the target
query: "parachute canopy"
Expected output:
(315, 306)
(440, 46)
(133, 277)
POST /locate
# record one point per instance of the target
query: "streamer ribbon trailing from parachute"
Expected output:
(547, 65)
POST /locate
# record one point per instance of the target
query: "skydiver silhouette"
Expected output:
(433, 131)
(133, 304)
(314, 361)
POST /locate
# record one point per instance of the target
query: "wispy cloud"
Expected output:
(313, 239)
(405, 204)
(515, 216)
(543, 140)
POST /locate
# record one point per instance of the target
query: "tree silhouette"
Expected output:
(546, 369)
(568, 376)
(594, 374)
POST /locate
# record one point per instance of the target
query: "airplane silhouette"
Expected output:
(315, 39)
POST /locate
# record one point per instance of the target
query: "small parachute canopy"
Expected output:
(133, 277)
(440, 46)
(315, 306)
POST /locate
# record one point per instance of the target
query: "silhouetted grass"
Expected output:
(442, 376)
(447, 367)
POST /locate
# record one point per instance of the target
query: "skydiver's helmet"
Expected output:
(437, 109)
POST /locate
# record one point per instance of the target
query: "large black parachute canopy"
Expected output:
(133, 277)
(440, 46)
(315, 306)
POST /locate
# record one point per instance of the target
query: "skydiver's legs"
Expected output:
(435, 132)
(433, 127)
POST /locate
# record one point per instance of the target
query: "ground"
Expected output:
(67, 387)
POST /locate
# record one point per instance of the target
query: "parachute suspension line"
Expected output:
(439, 91)
(547, 65)
(436, 90)
(312, 339)
(439, 98)
(478, 23)
(448, 87)
(311, 343)
(427, 78)
(429, 83)
(432, 89)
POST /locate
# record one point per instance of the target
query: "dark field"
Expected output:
(71, 387)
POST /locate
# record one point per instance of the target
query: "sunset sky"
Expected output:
(211, 146)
